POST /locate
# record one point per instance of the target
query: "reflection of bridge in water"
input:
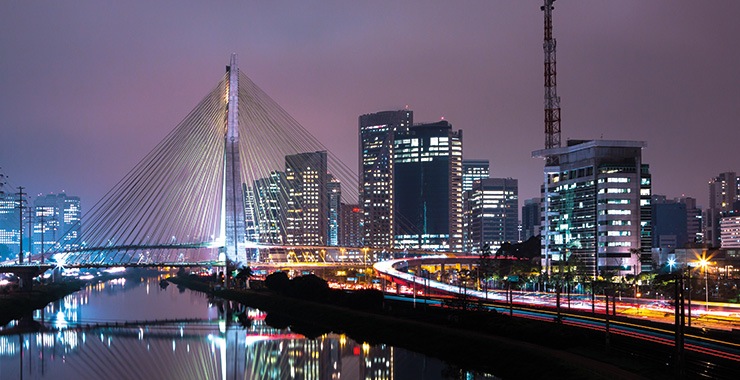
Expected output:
(202, 349)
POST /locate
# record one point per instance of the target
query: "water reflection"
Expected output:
(138, 330)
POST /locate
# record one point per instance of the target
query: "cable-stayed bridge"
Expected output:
(237, 180)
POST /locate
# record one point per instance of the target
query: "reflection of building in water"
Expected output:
(376, 362)
(258, 351)
(263, 352)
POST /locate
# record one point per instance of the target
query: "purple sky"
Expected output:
(87, 88)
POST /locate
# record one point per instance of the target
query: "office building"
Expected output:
(531, 218)
(493, 213)
(377, 132)
(308, 201)
(669, 220)
(271, 205)
(427, 187)
(694, 220)
(350, 228)
(251, 223)
(724, 190)
(730, 227)
(473, 170)
(9, 226)
(56, 222)
(334, 194)
(597, 204)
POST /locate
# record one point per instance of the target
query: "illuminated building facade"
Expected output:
(9, 226)
(377, 132)
(730, 228)
(598, 207)
(724, 190)
(493, 213)
(56, 222)
(427, 187)
(308, 203)
(270, 208)
(474, 170)
(251, 224)
(350, 228)
(334, 188)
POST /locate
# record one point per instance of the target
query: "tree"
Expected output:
(485, 266)
(277, 282)
(243, 276)
(310, 287)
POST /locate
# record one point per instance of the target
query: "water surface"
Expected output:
(135, 329)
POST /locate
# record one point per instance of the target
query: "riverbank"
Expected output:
(480, 341)
(16, 304)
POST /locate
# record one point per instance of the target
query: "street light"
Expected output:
(703, 263)
(671, 264)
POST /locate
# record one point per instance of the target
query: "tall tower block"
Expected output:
(232, 215)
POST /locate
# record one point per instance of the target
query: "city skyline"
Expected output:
(89, 90)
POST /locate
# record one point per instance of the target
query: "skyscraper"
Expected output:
(377, 132)
(473, 170)
(334, 189)
(598, 207)
(724, 190)
(730, 227)
(531, 218)
(56, 222)
(9, 226)
(427, 187)
(493, 206)
(308, 201)
(669, 222)
(350, 232)
(271, 206)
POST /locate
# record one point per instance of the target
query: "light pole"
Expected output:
(703, 263)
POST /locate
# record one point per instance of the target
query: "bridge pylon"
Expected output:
(232, 208)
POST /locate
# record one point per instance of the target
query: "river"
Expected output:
(136, 329)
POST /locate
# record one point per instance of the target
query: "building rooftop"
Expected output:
(576, 145)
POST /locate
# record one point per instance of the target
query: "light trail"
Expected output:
(718, 348)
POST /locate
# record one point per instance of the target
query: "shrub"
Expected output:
(277, 282)
(309, 287)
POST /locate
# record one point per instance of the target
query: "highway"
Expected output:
(650, 321)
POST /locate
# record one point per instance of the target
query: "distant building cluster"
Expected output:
(417, 191)
(597, 210)
(40, 224)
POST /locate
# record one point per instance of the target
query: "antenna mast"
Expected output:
(552, 100)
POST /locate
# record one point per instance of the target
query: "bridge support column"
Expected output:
(26, 275)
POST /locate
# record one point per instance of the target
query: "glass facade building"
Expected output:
(308, 201)
(56, 222)
(377, 131)
(473, 170)
(334, 194)
(493, 213)
(724, 190)
(427, 187)
(531, 216)
(597, 208)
